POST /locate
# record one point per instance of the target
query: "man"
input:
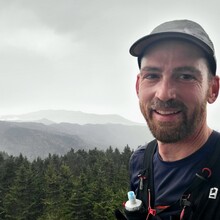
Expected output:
(176, 81)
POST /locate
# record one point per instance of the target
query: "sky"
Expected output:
(73, 54)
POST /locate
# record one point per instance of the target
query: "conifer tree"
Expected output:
(51, 190)
(80, 203)
(19, 202)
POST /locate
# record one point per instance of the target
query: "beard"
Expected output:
(172, 132)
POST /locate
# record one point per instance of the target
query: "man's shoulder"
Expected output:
(138, 152)
(140, 149)
(216, 133)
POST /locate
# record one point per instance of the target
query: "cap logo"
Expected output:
(186, 30)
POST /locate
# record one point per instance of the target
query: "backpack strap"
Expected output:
(145, 176)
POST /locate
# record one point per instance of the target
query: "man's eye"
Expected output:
(186, 77)
(151, 76)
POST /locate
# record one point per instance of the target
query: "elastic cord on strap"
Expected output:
(150, 210)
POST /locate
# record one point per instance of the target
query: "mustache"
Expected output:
(158, 104)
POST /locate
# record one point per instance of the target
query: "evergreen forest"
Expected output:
(80, 185)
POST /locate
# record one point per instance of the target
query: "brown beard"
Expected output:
(168, 132)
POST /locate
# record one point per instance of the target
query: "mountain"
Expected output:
(35, 140)
(76, 117)
(105, 135)
(38, 140)
(39, 133)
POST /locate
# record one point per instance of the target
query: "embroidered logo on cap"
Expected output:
(213, 193)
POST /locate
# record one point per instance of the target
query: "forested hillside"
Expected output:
(34, 140)
(83, 185)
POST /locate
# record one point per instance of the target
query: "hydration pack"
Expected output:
(201, 201)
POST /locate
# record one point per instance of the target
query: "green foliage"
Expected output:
(79, 185)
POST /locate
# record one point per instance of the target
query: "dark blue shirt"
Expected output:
(171, 179)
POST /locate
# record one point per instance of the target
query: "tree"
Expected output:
(80, 203)
(7, 176)
(51, 190)
(19, 202)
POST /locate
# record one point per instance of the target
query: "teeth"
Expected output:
(167, 112)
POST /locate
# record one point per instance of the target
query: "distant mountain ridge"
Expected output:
(76, 117)
(39, 133)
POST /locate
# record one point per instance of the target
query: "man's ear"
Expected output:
(137, 84)
(213, 90)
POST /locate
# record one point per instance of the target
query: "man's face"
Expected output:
(172, 88)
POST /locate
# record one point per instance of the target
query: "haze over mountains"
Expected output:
(76, 117)
(57, 131)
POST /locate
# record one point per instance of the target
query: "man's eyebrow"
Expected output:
(151, 69)
(190, 69)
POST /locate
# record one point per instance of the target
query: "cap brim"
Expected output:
(139, 47)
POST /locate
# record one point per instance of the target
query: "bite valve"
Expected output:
(132, 204)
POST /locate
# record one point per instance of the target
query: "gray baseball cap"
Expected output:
(177, 29)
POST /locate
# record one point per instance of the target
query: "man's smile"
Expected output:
(165, 112)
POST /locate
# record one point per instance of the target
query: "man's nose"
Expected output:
(166, 90)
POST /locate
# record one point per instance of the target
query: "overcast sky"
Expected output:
(73, 54)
